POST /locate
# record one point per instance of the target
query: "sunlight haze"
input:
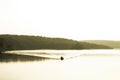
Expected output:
(73, 19)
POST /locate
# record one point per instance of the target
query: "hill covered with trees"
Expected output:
(112, 44)
(23, 42)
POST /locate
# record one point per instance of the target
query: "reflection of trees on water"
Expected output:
(16, 57)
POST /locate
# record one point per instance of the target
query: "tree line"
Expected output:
(24, 42)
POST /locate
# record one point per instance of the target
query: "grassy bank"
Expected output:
(16, 57)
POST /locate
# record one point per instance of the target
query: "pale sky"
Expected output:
(73, 19)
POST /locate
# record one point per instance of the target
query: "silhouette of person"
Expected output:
(61, 58)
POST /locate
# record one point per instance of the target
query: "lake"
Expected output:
(77, 65)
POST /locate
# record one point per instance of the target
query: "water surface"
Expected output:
(78, 65)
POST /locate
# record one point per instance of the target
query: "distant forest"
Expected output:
(112, 44)
(23, 42)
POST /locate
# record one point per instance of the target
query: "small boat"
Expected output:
(61, 58)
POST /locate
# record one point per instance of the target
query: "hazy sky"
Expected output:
(74, 19)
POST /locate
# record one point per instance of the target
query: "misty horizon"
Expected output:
(74, 19)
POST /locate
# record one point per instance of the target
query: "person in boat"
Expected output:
(61, 58)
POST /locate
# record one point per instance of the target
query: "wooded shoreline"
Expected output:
(24, 42)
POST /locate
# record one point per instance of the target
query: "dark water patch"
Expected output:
(22, 58)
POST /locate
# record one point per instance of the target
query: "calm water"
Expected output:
(78, 65)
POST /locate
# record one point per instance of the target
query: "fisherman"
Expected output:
(61, 58)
